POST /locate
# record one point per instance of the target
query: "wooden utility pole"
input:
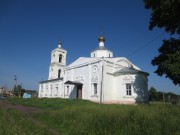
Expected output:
(15, 79)
(163, 97)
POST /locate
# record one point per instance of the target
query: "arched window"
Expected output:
(59, 73)
(60, 58)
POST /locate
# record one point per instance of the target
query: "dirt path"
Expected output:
(27, 111)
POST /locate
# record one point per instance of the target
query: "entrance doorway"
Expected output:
(79, 91)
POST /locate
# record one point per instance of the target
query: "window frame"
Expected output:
(128, 89)
(95, 86)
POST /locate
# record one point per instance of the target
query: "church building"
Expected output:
(100, 78)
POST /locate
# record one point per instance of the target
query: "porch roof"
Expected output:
(128, 70)
(73, 82)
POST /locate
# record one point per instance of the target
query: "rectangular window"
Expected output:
(95, 88)
(128, 89)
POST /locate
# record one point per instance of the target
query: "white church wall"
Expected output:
(123, 80)
(139, 90)
(53, 72)
(51, 89)
(126, 63)
(102, 53)
(69, 73)
(141, 87)
(81, 75)
(69, 90)
(95, 80)
(40, 92)
(89, 75)
(108, 83)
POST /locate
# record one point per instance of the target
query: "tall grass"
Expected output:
(76, 117)
(12, 122)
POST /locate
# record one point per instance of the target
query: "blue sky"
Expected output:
(31, 29)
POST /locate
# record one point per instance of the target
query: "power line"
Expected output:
(147, 44)
(168, 18)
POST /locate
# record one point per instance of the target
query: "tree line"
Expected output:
(18, 91)
(155, 95)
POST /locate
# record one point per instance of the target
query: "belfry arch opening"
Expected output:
(60, 58)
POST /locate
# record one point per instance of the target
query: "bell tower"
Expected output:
(58, 62)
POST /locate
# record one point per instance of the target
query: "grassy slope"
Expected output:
(13, 122)
(75, 117)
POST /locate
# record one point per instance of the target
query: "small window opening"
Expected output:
(59, 73)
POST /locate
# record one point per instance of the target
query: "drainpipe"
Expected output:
(101, 92)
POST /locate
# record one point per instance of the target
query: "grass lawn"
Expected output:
(80, 117)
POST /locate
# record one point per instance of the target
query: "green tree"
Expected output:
(17, 90)
(168, 60)
(166, 14)
(159, 96)
(22, 92)
(153, 94)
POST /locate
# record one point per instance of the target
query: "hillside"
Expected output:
(75, 117)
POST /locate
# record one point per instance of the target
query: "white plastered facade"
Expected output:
(99, 78)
